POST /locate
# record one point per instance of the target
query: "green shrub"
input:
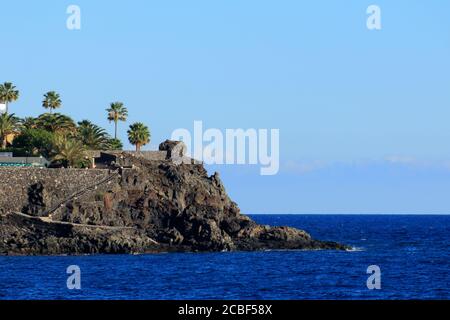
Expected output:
(34, 142)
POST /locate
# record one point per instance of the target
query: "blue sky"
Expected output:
(363, 115)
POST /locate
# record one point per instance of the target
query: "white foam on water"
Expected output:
(356, 249)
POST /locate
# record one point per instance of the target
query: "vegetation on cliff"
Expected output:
(58, 137)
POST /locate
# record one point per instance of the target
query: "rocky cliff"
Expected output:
(137, 206)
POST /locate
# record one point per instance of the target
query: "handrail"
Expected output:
(79, 193)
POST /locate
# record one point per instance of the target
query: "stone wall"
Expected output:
(105, 158)
(147, 155)
(16, 184)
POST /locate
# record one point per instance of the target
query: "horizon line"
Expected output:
(353, 214)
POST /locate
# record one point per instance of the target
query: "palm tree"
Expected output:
(115, 144)
(28, 123)
(8, 94)
(56, 123)
(92, 136)
(117, 112)
(51, 101)
(70, 152)
(138, 135)
(9, 124)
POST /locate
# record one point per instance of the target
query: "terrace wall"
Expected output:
(15, 184)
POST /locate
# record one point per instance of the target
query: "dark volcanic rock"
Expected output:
(154, 206)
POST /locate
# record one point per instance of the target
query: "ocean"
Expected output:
(412, 252)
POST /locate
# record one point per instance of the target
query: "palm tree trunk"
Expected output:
(138, 147)
(4, 141)
(115, 129)
(6, 107)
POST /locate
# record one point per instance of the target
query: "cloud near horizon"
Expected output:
(393, 161)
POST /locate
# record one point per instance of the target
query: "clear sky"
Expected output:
(364, 116)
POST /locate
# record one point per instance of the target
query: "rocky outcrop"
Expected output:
(173, 148)
(151, 206)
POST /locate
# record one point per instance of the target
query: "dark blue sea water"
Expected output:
(412, 252)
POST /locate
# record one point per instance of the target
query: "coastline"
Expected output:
(133, 205)
(316, 274)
